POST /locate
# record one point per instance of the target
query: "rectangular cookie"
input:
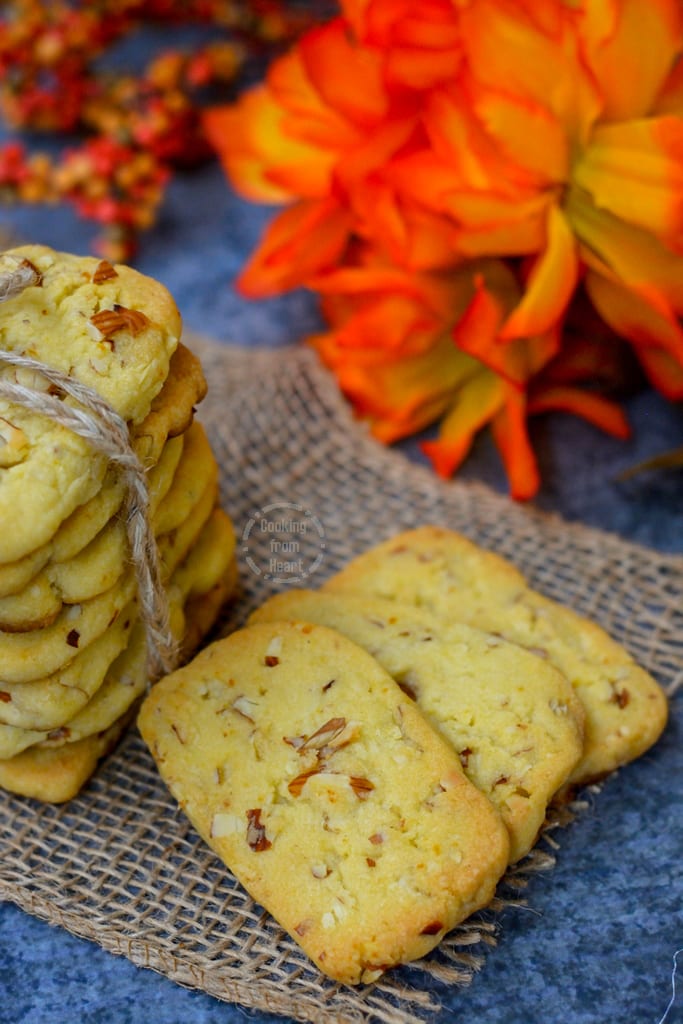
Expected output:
(322, 787)
(514, 720)
(445, 573)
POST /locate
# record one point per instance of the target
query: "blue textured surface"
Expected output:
(596, 944)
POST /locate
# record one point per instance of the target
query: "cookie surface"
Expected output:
(208, 560)
(171, 413)
(98, 565)
(172, 410)
(35, 607)
(326, 792)
(207, 572)
(447, 574)
(46, 703)
(54, 766)
(512, 718)
(195, 471)
(89, 572)
(56, 776)
(120, 684)
(53, 472)
(14, 576)
(175, 545)
(116, 335)
(87, 521)
(29, 656)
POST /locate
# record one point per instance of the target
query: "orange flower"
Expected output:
(306, 137)
(420, 43)
(455, 173)
(562, 141)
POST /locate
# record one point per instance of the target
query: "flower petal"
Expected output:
(252, 145)
(630, 316)
(355, 12)
(526, 132)
(551, 282)
(300, 242)
(478, 330)
(627, 253)
(399, 395)
(635, 170)
(348, 77)
(508, 50)
(598, 410)
(670, 99)
(420, 43)
(512, 440)
(460, 140)
(354, 171)
(393, 323)
(664, 372)
(414, 237)
(631, 54)
(475, 404)
(306, 114)
(517, 238)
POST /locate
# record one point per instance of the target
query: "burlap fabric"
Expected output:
(121, 865)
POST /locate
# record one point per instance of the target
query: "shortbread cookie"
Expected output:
(196, 470)
(48, 702)
(124, 684)
(113, 689)
(126, 678)
(172, 410)
(81, 510)
(173, 547)
(98, 566)
(513, 719)
(209, 573)
(322, 787)
(116, 336)
(57, 775)
(208, 560)
(94, 568)
(171, 413)
(51, 473)
(90, 572)
(54, 769)
(117, 331)
(447, 574)
(206, 579)
(81, 528)
(35, 607)
(100, 683)
(202, 612)
(14, 576)
(28, 656)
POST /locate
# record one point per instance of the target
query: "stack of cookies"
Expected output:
(368, 758)
(73, 643)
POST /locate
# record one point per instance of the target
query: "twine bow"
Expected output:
(107, 432)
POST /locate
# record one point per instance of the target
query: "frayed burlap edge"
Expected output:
(120, 865)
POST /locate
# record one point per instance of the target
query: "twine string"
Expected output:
(107, 432)
(14, 281)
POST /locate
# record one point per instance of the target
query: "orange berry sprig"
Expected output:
(138, 128)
